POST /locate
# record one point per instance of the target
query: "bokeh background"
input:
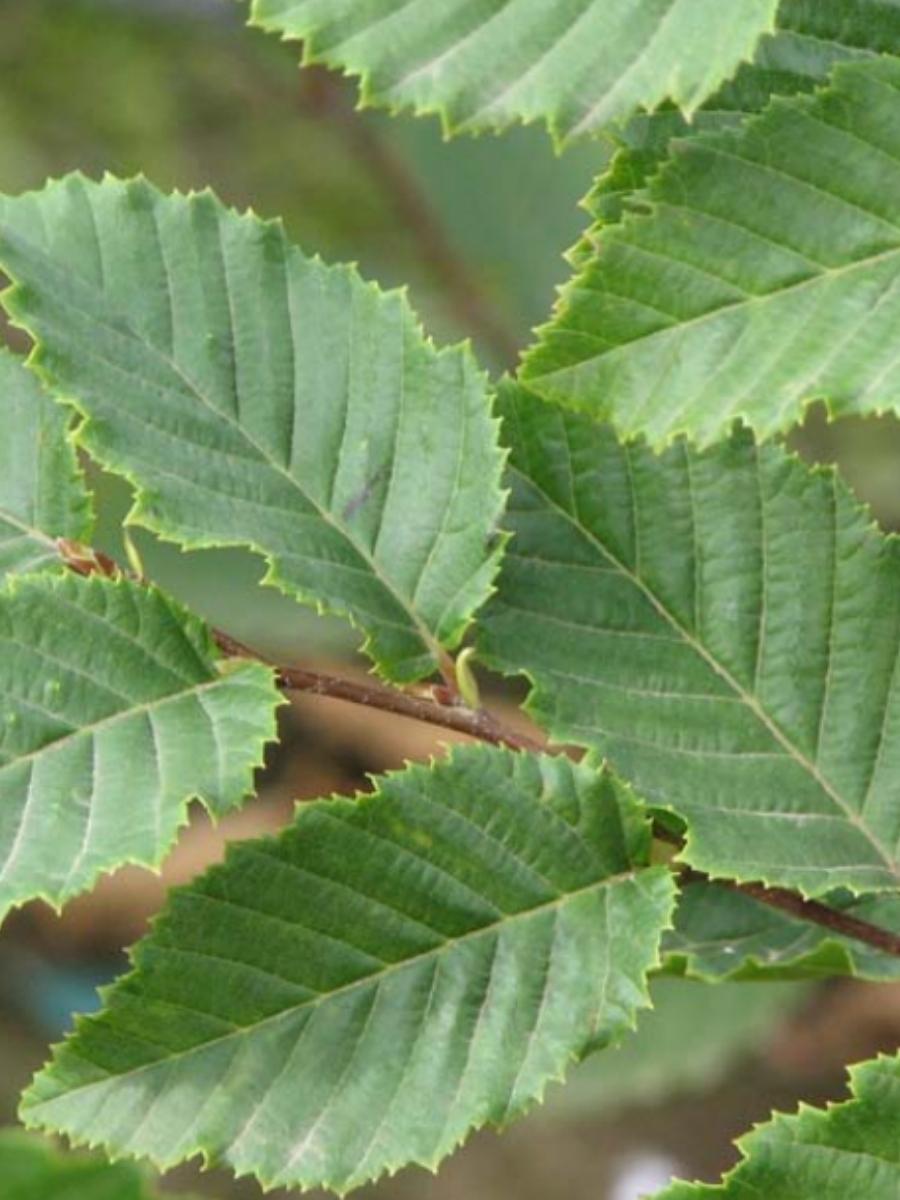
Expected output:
(179, 90)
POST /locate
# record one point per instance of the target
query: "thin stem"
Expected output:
(839, 923)
(486, 727)
(477, 724)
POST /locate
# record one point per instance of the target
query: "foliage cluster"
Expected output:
(711, 623)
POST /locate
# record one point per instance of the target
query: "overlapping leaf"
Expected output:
(762, 273)
(722, 934)
(258, 397)
(32, 1169)
(42, 494)
(810, 38)
(725, 628)
(115, 714)
(385, 976)
(848, 1151)
(579, 66)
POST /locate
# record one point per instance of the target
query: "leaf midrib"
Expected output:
(37, 535)
(376, 977)
(722, 671)
(122, 715)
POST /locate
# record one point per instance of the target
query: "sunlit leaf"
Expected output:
(484, 65)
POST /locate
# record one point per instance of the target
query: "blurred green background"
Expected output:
(476, 229)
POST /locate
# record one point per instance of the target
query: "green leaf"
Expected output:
(32, 1169)
(811, 37)
(385, 976)
(42, 493)
(722, 934)
(761, 275)
(849, 1151)
(115, 715)
(580, 66)
(724, 627)
(257, 397)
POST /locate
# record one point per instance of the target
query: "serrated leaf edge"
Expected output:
(531, 704)
(550, 119)
(140, 514)
(153, 865)
(542, 383)
(209, 1158)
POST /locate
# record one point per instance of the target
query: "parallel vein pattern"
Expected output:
(763, 273)
(258, 397)
(385, 976)
(42, 493)
(725, 627)
(115, 715)
(33, 1169)
(848, 1151)
(579, 65)
(811, 37)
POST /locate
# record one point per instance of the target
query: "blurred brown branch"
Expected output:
(323, 95)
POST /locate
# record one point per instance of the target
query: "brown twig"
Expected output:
(477, 724)
(485, 727)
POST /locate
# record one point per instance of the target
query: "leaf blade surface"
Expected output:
(115, 716)
(761, 273)
(724, 627)
(42, 493)
(257, 397)
(579, 66)
(720, 934)
(385, 976)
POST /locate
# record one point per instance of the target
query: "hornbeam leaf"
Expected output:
(724, 627)
(579, 65)
(762, 273)
(114, 716)
(810, 38)
(256, 397)
(848, 1151)
(32, 1169)
(385, 976)
(722, 934)
(42, 493)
